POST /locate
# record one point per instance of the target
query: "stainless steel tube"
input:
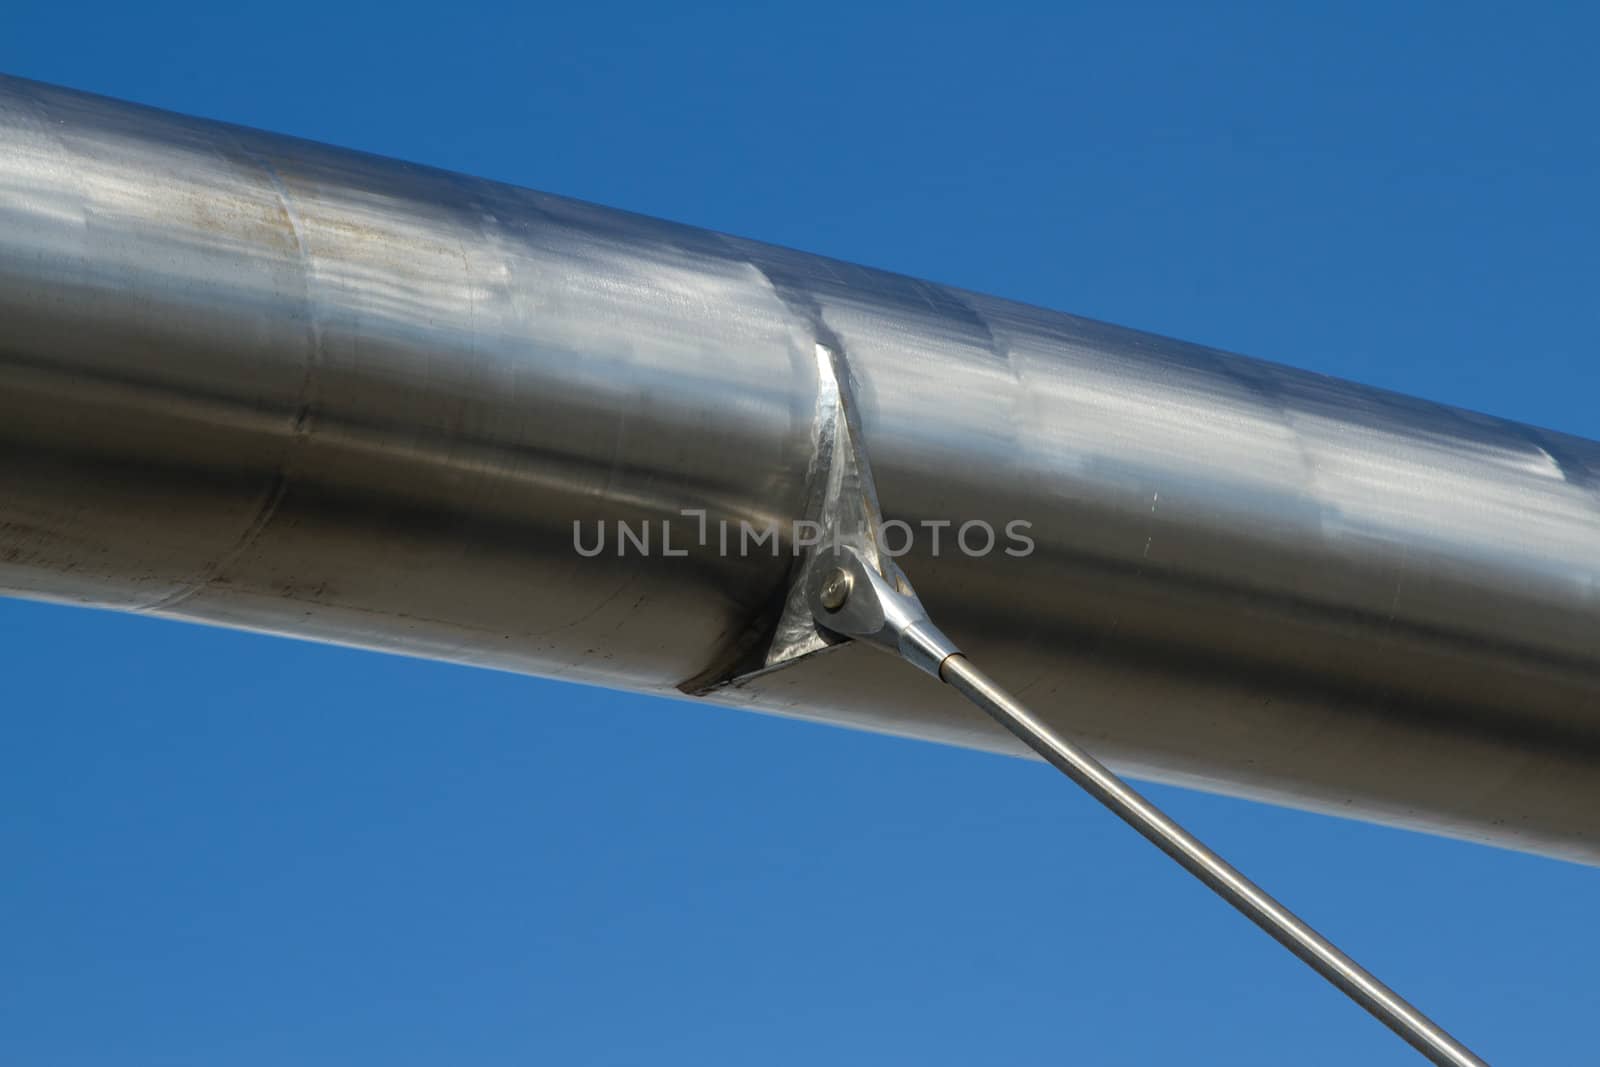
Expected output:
(256, 382)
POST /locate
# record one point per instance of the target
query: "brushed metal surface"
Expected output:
(257, 382)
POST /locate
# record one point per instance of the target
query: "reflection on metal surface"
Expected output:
(257, 382)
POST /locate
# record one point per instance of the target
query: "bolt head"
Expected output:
(835, 589)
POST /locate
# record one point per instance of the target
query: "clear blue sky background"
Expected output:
(218, 848)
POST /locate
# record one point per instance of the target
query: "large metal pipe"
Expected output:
(263, 383)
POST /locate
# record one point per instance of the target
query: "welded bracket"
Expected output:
(877, 604)
(847, 597)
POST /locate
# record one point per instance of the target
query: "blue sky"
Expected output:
(223, 848)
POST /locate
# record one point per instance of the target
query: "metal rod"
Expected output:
(1260, 908)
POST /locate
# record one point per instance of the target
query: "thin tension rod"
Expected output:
(850, 598)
